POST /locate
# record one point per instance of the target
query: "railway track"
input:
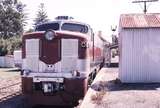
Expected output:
(10, 90)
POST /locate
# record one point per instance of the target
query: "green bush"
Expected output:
(7, 46)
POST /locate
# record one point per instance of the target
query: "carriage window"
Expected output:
(75, 27)
(44, 27)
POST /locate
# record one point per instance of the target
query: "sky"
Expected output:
(100, 14)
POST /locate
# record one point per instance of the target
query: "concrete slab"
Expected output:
(107, 92)
(93, 96)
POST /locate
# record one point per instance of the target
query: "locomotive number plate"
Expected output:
(42, 79)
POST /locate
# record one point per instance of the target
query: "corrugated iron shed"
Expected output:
(140, 20)
(139, 46)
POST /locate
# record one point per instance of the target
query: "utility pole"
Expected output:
(114, 36)
(145, 3)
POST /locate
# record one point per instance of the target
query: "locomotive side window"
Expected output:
(75, 27)
(44, 27)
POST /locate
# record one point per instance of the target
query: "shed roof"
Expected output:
(140, 20)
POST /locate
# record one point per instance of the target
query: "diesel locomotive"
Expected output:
(59, 59)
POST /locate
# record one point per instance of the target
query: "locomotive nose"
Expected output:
(55, 51)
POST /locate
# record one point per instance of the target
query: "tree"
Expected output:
(12, 18)
(12, 21)
(41, 15)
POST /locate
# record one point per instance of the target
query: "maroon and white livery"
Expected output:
(58, 59)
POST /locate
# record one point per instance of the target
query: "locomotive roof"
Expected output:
(65, 21)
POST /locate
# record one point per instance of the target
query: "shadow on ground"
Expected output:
(115, 85)
(21, 102)
(14, 102)
(42, 106)
(14, 70)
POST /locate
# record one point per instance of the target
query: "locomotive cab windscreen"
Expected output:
(44, 27)
(74, 27)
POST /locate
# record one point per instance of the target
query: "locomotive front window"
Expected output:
(45, 27)
(75, 27)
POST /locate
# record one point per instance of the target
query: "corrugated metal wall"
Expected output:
(140, 55)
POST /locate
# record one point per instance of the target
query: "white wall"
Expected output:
(140, 55)
(6, 61)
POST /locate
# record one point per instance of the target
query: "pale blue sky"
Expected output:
(100, 14)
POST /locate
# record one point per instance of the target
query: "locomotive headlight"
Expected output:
(50, 35)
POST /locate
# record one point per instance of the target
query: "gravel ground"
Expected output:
(10, 84)
(108, 92)
(9, 76)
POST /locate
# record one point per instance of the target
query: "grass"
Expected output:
(101, 91)
(97, 97)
